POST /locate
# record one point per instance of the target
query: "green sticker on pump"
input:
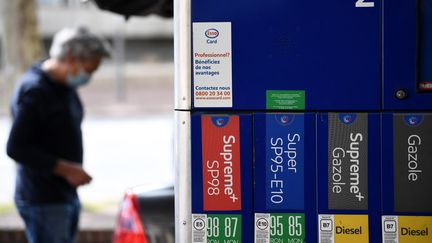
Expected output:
(217, 228)
(279, 227)
(285, 99)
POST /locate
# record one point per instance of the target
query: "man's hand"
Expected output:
(72, 172)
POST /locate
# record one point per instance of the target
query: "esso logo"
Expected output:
(212, 33)
(347, 118)
(284, 119)
(413, 121)
(220, 122)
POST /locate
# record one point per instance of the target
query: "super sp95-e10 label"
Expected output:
(348, 161)
(285, 161)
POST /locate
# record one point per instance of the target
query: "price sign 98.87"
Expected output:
(216, 228)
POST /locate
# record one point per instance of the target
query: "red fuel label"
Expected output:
(221, 163)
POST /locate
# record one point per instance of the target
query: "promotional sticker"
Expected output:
(285, 99)
(212, 64)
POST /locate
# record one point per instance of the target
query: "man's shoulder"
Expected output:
(33, 81)
(31, 87)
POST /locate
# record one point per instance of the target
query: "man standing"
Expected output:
(46, 140)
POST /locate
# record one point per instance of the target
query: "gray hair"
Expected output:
(78, 43)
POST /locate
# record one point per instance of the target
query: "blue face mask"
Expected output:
(79, 79)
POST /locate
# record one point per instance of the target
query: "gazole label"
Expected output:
(407, 229)
(212, 64)
(279, 227)
(343, 228)
(412, 155)
(216, 228)
(221, 163)
(348, 161)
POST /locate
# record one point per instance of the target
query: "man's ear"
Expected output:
(70, 64)
(69, 59)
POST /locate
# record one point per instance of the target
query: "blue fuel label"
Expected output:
(285, 177)
(285, 161)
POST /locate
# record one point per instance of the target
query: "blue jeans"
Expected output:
(52, 223)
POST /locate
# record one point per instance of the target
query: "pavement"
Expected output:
(88, 221)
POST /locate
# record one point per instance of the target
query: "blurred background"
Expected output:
(129, 102)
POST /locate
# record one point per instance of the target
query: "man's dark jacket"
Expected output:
(47, 127)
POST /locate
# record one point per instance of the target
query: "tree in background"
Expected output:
(21, 44)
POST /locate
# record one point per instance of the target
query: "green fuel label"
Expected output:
(285, 99)
(279, 227)
(216, 228)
